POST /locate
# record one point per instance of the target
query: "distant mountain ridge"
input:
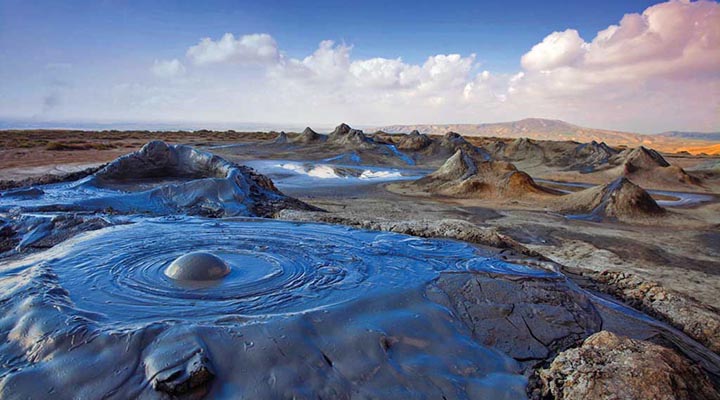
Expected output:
(549, 129)
(709, 136)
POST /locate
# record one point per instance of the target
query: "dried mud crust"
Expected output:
(529, 318)
(49, 178)
(699, 321)
(444, 229)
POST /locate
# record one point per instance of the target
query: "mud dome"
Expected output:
(198, 266)
(162, 179)
(324, 311)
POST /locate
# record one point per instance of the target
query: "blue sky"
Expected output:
(53, 52)
(65, 31)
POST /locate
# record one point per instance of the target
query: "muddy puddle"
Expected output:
(297, 294)
(298, 174)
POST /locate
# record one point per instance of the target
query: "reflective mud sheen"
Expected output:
(117, 274)
(293, 174)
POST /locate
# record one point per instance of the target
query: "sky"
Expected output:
(638, 66)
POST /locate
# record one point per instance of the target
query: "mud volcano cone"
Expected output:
(414, 141)
(308, 136)
(619, 198)
(464, 176)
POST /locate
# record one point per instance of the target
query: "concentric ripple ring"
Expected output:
(118, 274)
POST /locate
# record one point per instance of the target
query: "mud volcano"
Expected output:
(163, 179)
(620, 199)
(197, 266)
(464, 176)
(282, 327)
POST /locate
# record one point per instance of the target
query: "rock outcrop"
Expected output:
(608, 366)
(463, 176)
(620, 198)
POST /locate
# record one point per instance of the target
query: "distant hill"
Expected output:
(709, 136)
(710, 149)
(549, 129)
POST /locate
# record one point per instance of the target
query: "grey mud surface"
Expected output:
(357, 292)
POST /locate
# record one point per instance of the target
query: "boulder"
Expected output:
(608, 366)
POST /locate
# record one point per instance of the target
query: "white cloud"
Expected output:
(558, 49)
(258, 48)
(385, 73)
(331, 64)
(446, 71)
(168, 68)
(660, 68)
(668, 40)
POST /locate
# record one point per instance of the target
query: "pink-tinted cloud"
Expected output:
(668, 40)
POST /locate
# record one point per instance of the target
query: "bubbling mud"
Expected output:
(143, 272)
(197, 266)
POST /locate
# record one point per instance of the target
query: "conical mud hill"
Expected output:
(588, 156)
(643, 158)
(345, 135)
(620, 198)
(463, 176)
(308, 136)
(414, 141)
(648, 166)
(451, 142)
(281, 138)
